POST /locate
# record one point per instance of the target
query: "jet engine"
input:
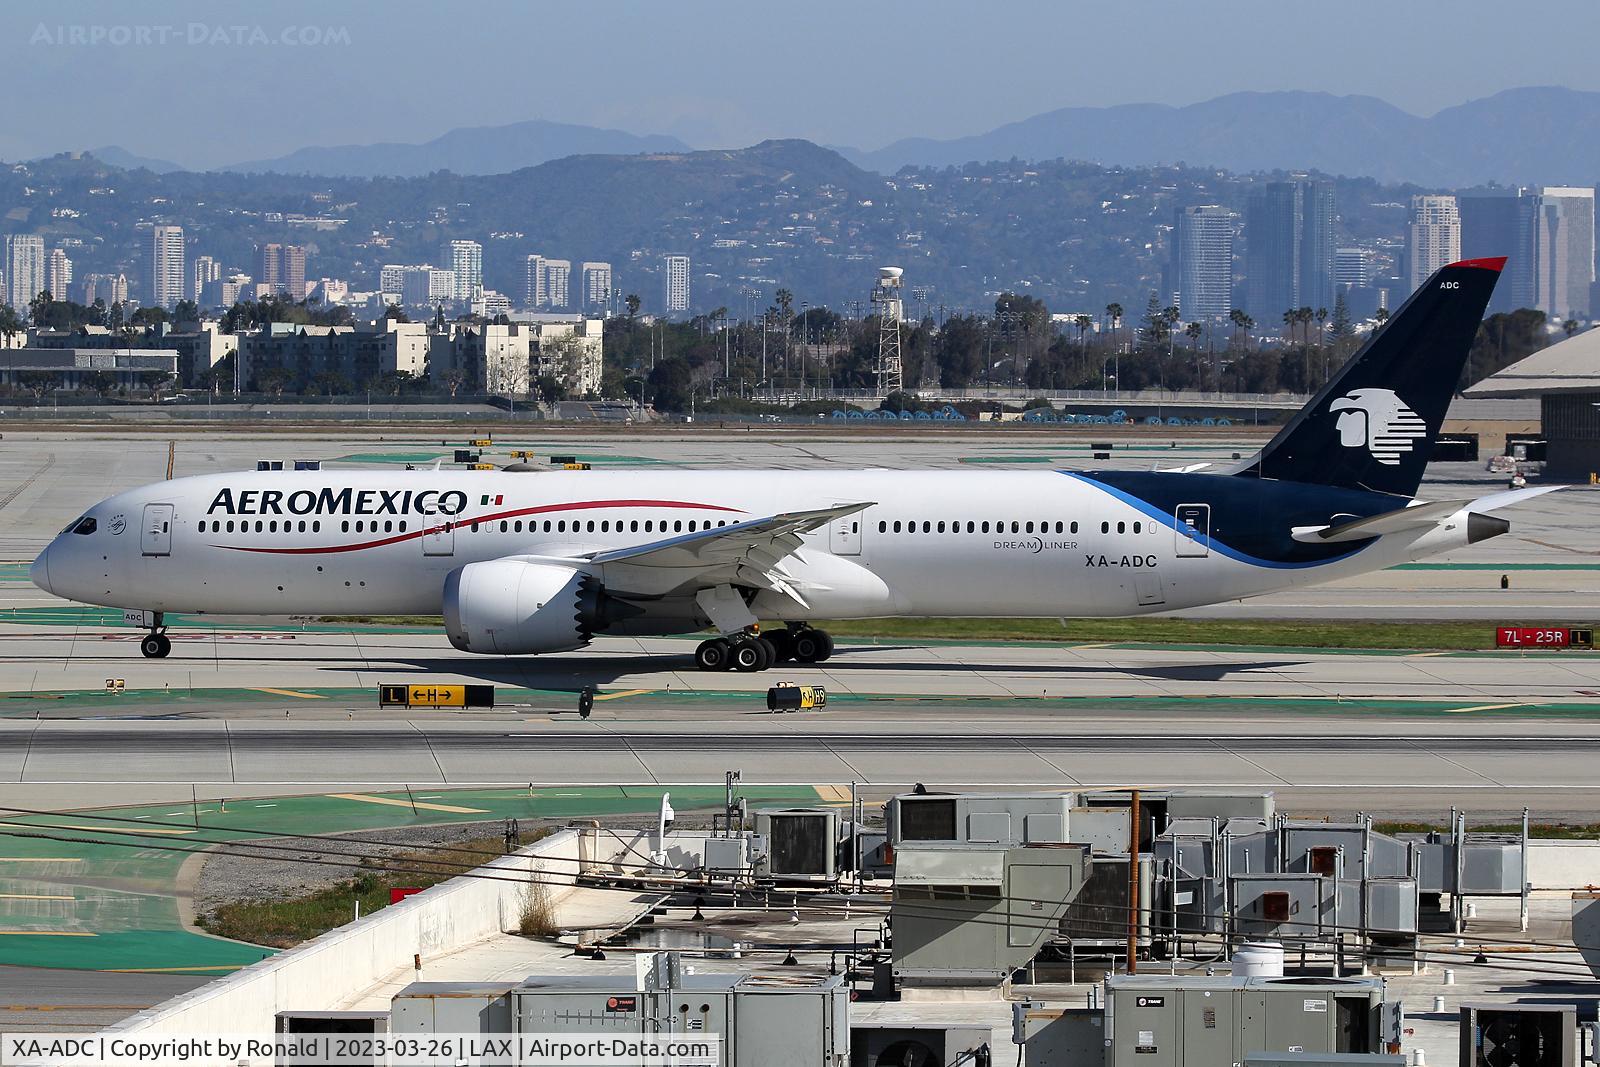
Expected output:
(508, 607)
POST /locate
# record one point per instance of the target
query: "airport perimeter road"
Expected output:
(1391, 765)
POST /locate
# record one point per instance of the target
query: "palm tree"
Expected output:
(1114, 313)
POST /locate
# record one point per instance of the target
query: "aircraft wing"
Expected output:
(745, 553)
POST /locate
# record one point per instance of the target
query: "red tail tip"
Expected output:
(1494, 263)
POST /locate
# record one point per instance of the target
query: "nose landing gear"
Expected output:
(156, 644)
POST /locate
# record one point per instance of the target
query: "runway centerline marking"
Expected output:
(390, 802)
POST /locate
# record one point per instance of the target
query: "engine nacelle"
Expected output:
(507, 607)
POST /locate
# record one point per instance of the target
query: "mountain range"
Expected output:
(1531, 135)
(469, 150)
(1545, 135)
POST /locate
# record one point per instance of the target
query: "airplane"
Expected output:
(528, 562)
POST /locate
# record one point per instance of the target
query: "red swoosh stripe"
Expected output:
(494, 517)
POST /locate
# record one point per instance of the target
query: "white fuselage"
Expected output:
(991, 543)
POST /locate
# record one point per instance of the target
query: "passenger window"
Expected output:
(633, 527)
(201, 526)
(516, 527)
(258, 526)
(941, 526)
(1029, 527)
(677, 526)
(883, 527)
(388, 526)
(316, 526)
(1138, 527)
(985, 528)
(649, 525)
(591, 526)
(897, 526)
(971, 526)
(504, 526)
(561, 526)
(1014, 526)
(605, 526)
(1122, 527)
(1105, 527)
(1074, 527)
(547, 526)
(927, 527)
(474, 527)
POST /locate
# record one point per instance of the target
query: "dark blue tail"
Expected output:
(1373, 425)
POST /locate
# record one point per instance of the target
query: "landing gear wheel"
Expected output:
(812, 646)
(748, 656)
(782, 642)
(769, 652)
(713, 655)
(155, 646)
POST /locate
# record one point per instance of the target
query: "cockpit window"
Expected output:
(85, 525)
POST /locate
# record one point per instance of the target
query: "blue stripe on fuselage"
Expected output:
(1168, 519)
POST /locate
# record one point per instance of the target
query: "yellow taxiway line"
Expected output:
(421, 805)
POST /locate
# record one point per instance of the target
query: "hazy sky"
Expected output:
(211, 82)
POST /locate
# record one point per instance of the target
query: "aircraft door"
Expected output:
(1194, 529)
(439, 540)
(844, 535)
(155, 537)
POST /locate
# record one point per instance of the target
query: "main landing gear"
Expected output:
(750, 652)
(156, 644)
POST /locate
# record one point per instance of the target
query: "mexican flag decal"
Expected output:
(487, 500)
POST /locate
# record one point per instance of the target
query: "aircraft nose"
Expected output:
(40, 571)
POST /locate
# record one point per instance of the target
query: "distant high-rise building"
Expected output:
(428, 286)
(1499, 222)
(206, 271)
(107, 288)
(1352, 268)
(465, 259)
(166, 266)
(283, 267)
(235, 287)
(533, 282)
(1565, 250)
(59, 280)
(558, 282)
(1201, 279)
(1289, 248)
(392, 276)
(676, 283)
(24, 268)
(1433, 237)
(597, 286)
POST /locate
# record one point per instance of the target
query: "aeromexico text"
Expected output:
(338, 502)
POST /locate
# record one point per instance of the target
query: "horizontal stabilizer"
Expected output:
(1387, 522)
(1422, 515)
